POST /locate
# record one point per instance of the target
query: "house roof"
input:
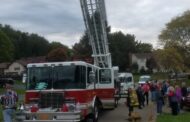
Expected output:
(4, 65)
(25, 61)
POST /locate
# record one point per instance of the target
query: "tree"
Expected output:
(143, 47)
(121, 46)
(55, 45)
(6, 48)
(83, 48)
(142, 70)
(177, 30)
(135, 67)
(57, 55)
(177, 35)
(25, 44)
(151, 64)
(170, 59)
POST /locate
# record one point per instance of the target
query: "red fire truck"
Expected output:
(76, 90)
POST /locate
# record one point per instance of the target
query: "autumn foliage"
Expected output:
(57, 55)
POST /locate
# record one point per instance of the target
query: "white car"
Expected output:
(144, 78)
(126, 81)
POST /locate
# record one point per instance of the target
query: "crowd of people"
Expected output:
(161, 93)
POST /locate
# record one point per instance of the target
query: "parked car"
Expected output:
(179, 75)
(4, 80)
(186, 100)
(144, 78)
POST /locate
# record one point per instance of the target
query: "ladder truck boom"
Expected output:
(94, 14)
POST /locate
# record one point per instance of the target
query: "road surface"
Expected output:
(120, 114)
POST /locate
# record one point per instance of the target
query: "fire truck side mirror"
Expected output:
(24, 77)
(91, 77)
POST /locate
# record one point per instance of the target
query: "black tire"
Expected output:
(89, 118)
(96, 112)
(116, 102)
(94, 116)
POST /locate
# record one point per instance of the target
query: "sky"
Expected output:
(62, 21)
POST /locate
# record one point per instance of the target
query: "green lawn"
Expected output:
(154, 76)
(184, 117)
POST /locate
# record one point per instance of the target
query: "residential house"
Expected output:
(18, 67)
(140, 59)
(15, 68)
(3, 66)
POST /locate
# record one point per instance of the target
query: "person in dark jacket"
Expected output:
(140, 96)
(183, 94)
(153, 90)
(173, 99)
(159, 99)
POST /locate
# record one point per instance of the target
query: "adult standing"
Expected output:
(178, 95)
(146, 89)
(183, 94)
(173, 101)
(153, 90)
(8, 101)
(159, 99)
(140, 96)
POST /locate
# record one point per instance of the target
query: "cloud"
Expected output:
(68, 40)
(44, 17)
(61, 20)
(144, 18)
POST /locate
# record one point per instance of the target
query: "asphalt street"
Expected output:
(120, 114)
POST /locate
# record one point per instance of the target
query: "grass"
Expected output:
(184, 117)
(153, 76)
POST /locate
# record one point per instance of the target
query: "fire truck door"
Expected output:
(106, 79)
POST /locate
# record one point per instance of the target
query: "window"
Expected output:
(17, 68)
(88, 74)
(105, 76)
(80, 76)
(58, 77)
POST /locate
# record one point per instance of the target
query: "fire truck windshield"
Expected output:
(57, 77)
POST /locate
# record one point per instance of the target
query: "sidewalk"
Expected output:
(148, 113)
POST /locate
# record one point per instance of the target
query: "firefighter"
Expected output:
(132, 100)
(8, 101)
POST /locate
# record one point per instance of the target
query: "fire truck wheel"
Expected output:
(94, 116)
(96, 113)
(116, 102)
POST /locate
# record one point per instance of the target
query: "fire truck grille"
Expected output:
(54, 100)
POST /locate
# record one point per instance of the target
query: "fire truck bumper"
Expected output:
(49, 116)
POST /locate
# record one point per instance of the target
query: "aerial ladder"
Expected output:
(95, 18)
